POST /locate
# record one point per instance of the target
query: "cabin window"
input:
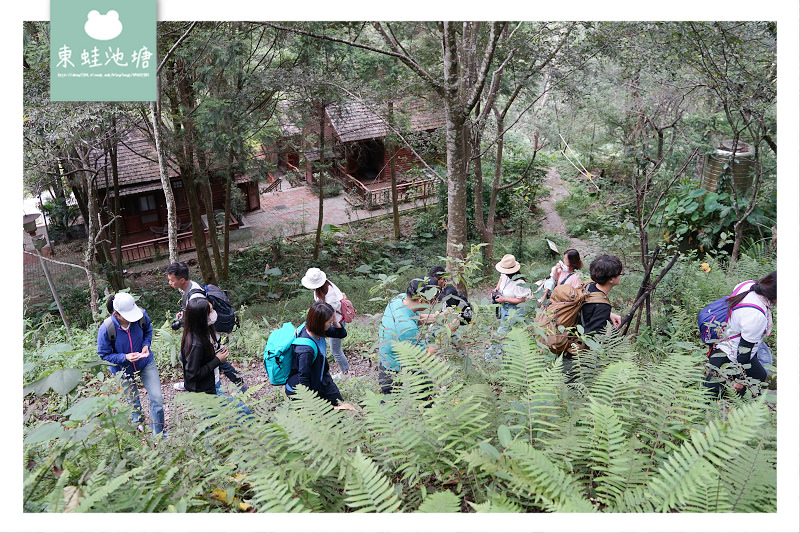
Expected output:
(178, 194)
(147, 202)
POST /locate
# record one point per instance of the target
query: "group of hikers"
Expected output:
(124, 339)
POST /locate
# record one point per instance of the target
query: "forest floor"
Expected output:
(252, 368)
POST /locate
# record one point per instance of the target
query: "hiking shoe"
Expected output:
(178, 386)
(140, 428)
(337, 375)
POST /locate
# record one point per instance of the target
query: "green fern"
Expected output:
(672, 401)
(694, 464)
(367, 490)
(611, 453)
(440, 502)
(497, 503)
(273, 494)
(96, 494)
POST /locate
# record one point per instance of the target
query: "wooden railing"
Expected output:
(139, 251)
(376, 198)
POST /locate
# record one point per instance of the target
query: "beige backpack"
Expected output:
(565, 304)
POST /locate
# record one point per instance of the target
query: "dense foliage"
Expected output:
(634, 433)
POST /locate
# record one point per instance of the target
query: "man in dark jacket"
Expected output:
(124, 340)
(178, 278)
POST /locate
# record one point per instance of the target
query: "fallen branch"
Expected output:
(650, 288)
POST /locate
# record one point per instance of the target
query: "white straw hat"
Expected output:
(126, 307)
(314, 279)
(507, 265)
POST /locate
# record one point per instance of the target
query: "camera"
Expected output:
(495, 296)
(176, 324)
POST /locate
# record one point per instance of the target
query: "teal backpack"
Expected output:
(280, 349)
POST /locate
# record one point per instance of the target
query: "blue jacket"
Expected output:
(126, 342)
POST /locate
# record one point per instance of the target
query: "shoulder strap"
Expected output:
(302, 341)
(111, 329)
(596, 297)
(565, 279)
(203, 289)
(753, 306)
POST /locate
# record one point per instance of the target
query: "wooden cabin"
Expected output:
(144, 208)
(356, 140)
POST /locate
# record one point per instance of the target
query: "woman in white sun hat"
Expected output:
(324, 290)
(509, 291)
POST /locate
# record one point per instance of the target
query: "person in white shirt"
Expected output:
(750, 320)
(324, 290)
(510, 291)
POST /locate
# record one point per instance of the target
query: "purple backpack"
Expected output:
(714, 317)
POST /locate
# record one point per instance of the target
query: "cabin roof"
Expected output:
(137, 167)
(355, 121)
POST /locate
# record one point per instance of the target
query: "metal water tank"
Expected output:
(741, 168)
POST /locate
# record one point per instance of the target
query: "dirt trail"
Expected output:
(552, 223)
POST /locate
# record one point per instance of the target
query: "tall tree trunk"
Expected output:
(227, 230)
(456, 161)
(118, 216)
(166, 185)
(392, 149)
(186, 159)
(211, 219)
(91, 222)
(321, 211)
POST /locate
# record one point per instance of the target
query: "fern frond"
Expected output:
(440, 502)
(273, 495)
(610, 453)
(538, 477)
(602, 349)
(530, 478)
(693, 465)
(672, 401)
(367, 490)
(103, 492)
(497, 503)
(319, 431)
(525, 365)
(425, 371)
(617, 384)
(400, 431)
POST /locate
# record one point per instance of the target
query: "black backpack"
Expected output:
(452, 298)
(226, 317)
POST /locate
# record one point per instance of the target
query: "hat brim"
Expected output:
(133, 315)
(312, 284)
(506, 270)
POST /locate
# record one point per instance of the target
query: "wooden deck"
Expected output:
(145, 245)
(379, 194)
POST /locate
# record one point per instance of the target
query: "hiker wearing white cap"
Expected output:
(124, 340)
(324, 290)
(509, 291)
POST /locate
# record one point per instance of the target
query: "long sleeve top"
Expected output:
(129, 340)
(309, 368)
(333, 298)
(198, 369)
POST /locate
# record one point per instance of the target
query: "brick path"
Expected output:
(290, 212)
(294, 211)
